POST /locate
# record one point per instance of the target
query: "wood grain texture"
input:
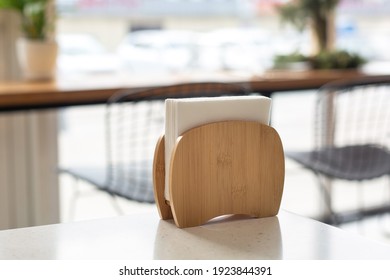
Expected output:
(232, 167)
(159, 180)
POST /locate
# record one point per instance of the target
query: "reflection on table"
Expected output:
(226, 238)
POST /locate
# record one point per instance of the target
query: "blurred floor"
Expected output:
(82, 141)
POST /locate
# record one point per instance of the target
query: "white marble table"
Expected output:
(145, 236)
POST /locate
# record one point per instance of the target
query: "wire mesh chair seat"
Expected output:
(133, 123)
(352, 138)
(98, 177)
(355, 163)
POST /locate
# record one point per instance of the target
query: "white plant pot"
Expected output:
(37, 59)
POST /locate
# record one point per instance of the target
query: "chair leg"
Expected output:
(386, 231)
(115, 204)
(76, 194)
(74, 198)
(325, 184)
(360, 201)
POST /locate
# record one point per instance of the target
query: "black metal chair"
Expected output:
(134, 122)
(352, 139)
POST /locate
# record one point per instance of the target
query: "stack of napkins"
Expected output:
(186, 113)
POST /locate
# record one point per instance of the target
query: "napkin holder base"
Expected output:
(229, 167)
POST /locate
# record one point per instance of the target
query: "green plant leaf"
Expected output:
(33, 14)
(12, 4)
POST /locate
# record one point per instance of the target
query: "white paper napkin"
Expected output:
(186, 113)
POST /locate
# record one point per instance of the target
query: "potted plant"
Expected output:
(336, 59)
(37, 51)
(325, 60)
(294, 61)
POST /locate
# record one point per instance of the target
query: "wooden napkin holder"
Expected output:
(229, 167)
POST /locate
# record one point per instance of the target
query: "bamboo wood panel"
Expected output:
(232, 167)
(159, 181)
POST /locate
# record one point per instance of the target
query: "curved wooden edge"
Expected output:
(231, 167)
(159, 180)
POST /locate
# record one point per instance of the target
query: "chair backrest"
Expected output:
(134, 122)
(355, 113)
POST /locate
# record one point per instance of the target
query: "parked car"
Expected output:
(84, 53)
(157, 50)
(235, 49)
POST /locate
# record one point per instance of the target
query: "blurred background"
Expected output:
(150, 38)
(142, 35)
